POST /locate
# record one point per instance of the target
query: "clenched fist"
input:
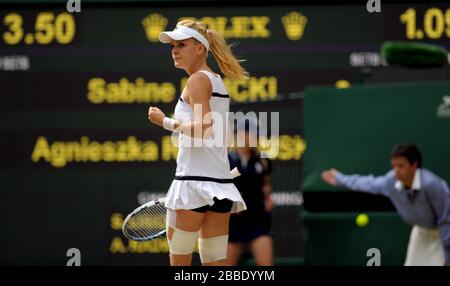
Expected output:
(155, 115)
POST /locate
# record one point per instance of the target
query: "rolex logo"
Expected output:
(153, 25)
(294, 24)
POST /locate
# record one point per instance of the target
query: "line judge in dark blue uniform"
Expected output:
(252, 227)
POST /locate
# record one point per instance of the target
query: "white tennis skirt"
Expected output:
(425, 248)
(187, 195)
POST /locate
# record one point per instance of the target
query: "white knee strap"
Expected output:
(212, 248)
(182, 242)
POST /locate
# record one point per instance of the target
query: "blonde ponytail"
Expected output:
(229, 65)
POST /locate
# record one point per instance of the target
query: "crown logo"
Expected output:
(153, 25)
(294, 24)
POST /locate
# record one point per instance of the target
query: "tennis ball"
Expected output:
(362, 220)
(342, 84)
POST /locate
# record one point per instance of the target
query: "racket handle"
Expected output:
(235, 173)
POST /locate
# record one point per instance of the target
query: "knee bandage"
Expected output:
(213, 248)
(182, 242)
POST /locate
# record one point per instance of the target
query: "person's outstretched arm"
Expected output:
(368, 184)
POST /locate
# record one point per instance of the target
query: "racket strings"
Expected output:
(137, 228)
(147, 223)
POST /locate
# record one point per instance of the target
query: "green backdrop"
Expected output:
(355, 129)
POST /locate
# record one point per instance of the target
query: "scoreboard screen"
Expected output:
(75, 143)
(112, 55)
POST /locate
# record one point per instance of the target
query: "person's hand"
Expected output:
(268, 204)
(329, 176)
(155, 115)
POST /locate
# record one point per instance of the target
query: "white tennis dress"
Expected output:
(203, 172)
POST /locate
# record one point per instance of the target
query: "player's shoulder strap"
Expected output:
(218, 86)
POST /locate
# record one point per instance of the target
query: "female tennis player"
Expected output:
(202, 195)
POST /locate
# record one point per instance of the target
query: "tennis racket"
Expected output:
(148, 221)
